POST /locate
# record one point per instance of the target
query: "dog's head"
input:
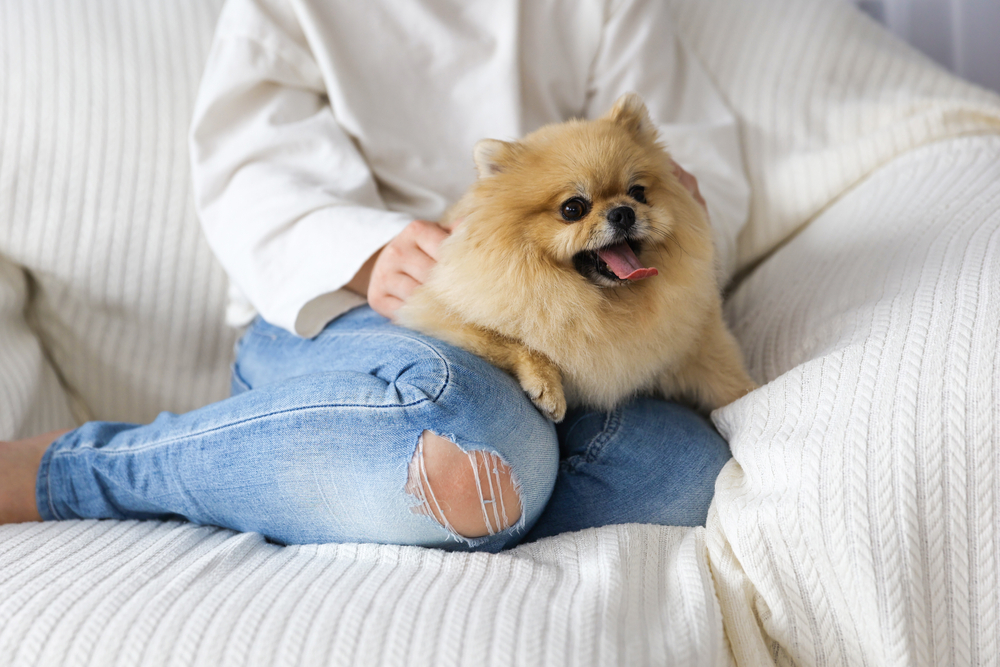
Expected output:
(595, 197)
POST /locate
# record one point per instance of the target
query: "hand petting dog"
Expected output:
(402, 265)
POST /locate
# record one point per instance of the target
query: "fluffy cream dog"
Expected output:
(585, 269)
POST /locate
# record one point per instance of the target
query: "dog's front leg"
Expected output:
(541, 380)
(538, 376)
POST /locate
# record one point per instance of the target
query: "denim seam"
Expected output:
(415, 339)
(131, 450)
(612, 424)
(363, 332)
(239, 378)
(47, 462)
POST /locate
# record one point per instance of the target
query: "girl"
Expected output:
(325, 136)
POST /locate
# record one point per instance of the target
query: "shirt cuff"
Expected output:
(320, 311)
(301, 288)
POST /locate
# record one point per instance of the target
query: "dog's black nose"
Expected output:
(622, 217)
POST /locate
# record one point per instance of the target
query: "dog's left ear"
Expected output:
(489, 155)
(629, 111)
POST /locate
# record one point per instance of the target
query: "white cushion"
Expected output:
(859, 522)
(130, 593)
(31, 400)
(95, 197)
(824, 97)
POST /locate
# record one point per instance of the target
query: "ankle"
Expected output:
(19, 463)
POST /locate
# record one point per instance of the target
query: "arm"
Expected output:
(286, 199)
(639, 52)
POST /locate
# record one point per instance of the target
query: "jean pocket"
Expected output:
(237, 385)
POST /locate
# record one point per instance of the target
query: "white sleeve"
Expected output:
(640, 53)
(287, 202)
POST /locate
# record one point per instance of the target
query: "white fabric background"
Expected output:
(126, 593)
(858, 524)
(962, 35)
(31, 399)
(95, 201)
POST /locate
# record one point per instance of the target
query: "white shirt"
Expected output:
(323, 127)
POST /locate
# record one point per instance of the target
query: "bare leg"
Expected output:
(472, 493)
(19, 461)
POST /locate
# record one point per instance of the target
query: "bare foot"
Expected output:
(19, 461)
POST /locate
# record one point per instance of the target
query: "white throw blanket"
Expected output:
(129, 593)
(859, 523)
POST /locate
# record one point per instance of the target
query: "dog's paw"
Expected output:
(543, 384)
(549, 400)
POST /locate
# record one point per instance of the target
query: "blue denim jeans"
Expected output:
(316, 442)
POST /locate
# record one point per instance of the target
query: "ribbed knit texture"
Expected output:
(95, 199)
(860, 521)
(31, 400)
(130, 593)
(858, 524)
(824, 97)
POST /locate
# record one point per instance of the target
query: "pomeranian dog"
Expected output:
(584, 268)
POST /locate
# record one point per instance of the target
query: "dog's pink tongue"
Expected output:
(623, 262)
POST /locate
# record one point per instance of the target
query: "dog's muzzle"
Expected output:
(616, 262)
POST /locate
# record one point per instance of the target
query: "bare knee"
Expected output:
(472, 493)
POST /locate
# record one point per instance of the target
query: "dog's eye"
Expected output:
(574, 209)
(638, 193)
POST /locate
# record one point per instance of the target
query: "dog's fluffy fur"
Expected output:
(523, 286)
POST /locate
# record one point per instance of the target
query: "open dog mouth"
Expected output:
(613, 264)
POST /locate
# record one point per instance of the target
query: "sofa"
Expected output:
(858, 522)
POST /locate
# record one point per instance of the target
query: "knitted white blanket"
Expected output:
(860, 521)
(130, 593)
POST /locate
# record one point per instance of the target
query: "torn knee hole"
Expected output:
(472, 493)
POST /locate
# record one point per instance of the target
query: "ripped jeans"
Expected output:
(322, 442)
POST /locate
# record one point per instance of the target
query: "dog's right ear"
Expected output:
(630, 112)
(489, 155)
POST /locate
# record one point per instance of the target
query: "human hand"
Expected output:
(689, 182)
(402, 265)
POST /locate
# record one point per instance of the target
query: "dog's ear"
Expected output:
(629, 111)
(489, 155)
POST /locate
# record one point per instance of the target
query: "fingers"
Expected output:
(404, 256)
(427, 236)
(415, 251)
(690, 183)
(403, 265)
(400, 286)
(385, 305)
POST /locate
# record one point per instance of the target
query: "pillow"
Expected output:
(824, 96)
(859, 522)
(95, 101)
(31, 400)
